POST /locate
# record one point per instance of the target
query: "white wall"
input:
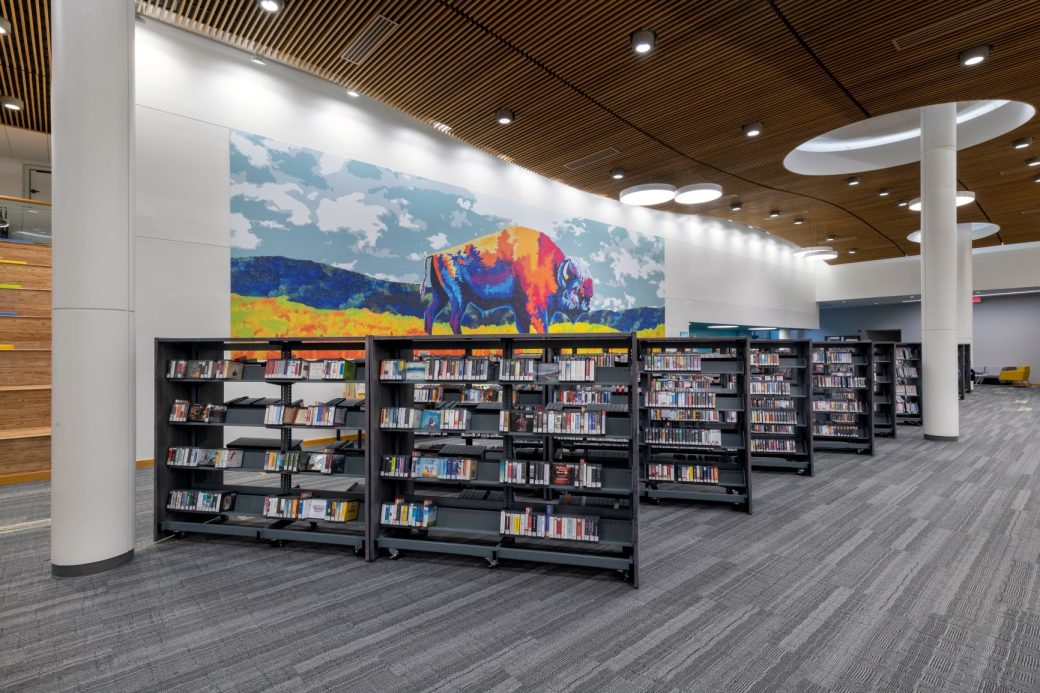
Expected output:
(191, 92)
(1014, 266)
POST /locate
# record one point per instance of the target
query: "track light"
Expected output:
(883, 192)
(5, 27)
(736, 206)
(973, 56)
(1022, 142)
(774, 214)
(258, 60)
(617, 174)
(852, 180)
(271, 6)
(504, 116)
(352, 93)
(752, 129)
(12, 103)
(902, 203)
(799, 220)
(1033, 161)
(643, 41)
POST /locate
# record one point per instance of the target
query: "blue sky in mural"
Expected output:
(310, 205)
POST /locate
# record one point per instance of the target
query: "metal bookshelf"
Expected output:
(965, 386)
(245, 517)
(909, 392)
(469, 512)
(827, 361)
(711, 389)
(789, 359)
(885, 389)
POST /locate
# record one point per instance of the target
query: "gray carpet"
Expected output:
(914, 570)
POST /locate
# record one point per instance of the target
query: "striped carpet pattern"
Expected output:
(915, 570)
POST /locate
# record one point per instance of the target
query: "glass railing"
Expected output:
(25, 220)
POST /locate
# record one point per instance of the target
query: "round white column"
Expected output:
(939, 271)
(92, 441)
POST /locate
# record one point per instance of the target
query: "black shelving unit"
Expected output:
(964, 383)
(472, 513)
(885, 389)
(242, 514)
(909, 392)
(843, 396)
(693, 420)
(780, 387)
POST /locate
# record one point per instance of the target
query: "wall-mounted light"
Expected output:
(852, 251)
(902, 203)
(643, 41)
(1033, 161)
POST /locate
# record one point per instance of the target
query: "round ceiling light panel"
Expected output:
(816, 252)
(977, 229)
(964, 197)
(698, 193)
(647, 194)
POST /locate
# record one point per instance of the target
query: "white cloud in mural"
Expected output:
(271, 224)
(625, 264)
(256, 154)
(351, 213)
(660, 289)
(600, 302)
(276, 197)
(345, 265)
(330, 163)
(438, 241)
(457, 219)
(407, 221)
(242, 235)
(464, 203)
(415, 257)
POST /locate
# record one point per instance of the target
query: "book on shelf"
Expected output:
(201, 501)
(457, 369)
(588, 394)
(709, 382)
(426, 467)
(309, 508)
(768, 387)
(775, 429)
(296, 461)
(575, 369)
(838, 381)
(773, 445)
(660, 472)
(608, 359)
(673, 362)
(317, 415)
(836, 431)
(770, 403)
(774, 416)
(697, 474)
(824, 405)
(548, 525)
(179, 411)
(402, 513)
(693, 415)
(354, 391)
(580, 474)
(399, 417)
(524, 472)
(184, 411)
(763, 358)
(579, 422)
(906, 407)
(428, 393)
(481, 393)
(690, 399)
(832, 355)
(196, 369)
(708, 437)
(221, 458)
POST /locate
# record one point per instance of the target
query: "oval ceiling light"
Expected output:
(647, 194)
(698, 193)
(504, 116)
(259, 60)
(271, 6)
(643, 41)
(973, 56)
(617, 174)
(964, 197)
(752, 129)
(12, 103)
(5, 27)
(816, 252)
(975, 229)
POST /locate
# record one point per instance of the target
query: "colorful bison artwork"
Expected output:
(517, 268)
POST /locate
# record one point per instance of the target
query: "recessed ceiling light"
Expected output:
(441, 127)
(830, 238)
(799, 220)
(964, 197)
(884, 192)
(852, 180)
(723, 327)
(736, 206)
(973, 56)
(12, 103)
(353, 93)
(698, 193)
(647, 194)
(852, 251)
(774, 214)
(903, 203)
(259, 60)
(271, 6)
(816, 252)
(1033, 161)
(753, 129)
(643, 41)
(617, 174)
(1022, 142)
(1036, 178)
(504, 116)
(5, 27)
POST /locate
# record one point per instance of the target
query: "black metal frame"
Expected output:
(864, 362)
(885, 389)
(801, 391)
(917, 381)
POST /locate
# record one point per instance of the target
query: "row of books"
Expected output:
(672, 362)
(838, 381)
(836, 431)
(840, 406)
(716, 382)
(301, 369)
(458, 368)
(906, 407)
(906, 372)
(770, 403)
(422, 467)
(683, 398)
(455, 419)
(693, 415)
(563, 422)
(184, 411)
(322, 415)
(579, 474)
(221, 458)
(588, 394)
(530, 371)
(832, 355)
(773, 445)
(775, 429)
(684, 473)
(546, 525)
(906, 390)
(606, 360)
(300, 508)
(683, 436)
(320, 462)
(756, 387)
(763, 358)
(202, 369)
(774, 416)
(404, 514)
(906, 354)
(201, 501)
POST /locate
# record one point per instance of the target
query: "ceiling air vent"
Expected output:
(369, 39)
(962, 21)
(591, 159)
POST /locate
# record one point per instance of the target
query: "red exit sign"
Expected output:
(976, 299)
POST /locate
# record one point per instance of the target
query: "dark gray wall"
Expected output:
(1007, 328)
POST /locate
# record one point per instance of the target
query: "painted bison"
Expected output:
(518, 268)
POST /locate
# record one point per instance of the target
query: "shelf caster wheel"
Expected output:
(394, 554)
(357, 550)
(492, 563)
(653, 501)
(277, 543)
(625, 575)
(801, 472)
(179, 535)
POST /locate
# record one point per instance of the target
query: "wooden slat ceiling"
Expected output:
(802, 67)
(25, 63)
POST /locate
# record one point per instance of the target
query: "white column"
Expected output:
(965, 308)
(939, 271)
(92, 448)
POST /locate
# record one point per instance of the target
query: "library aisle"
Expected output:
(912, 569)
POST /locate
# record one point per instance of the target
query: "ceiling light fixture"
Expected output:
(973, 56)
(852, 180)
(964, 197)
(1033, 161)
(752, 129)
(698, 193)
(723, 327)
(617, 174)
(774, 214)
(902, 203)
(736, 206)
(830, 238)
(12, 103)
(1036, 178)
(884, 192)
(798, 221)
(1022, 142)
(852, 251)
(816, 252)
(5, 27)
(647, 194)
(441, 127)
(259, 60)
(271, 6)
(643, 41)
(353, 93)
(763, 329)
(504, 116)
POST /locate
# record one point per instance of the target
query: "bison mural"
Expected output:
(517, 268)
